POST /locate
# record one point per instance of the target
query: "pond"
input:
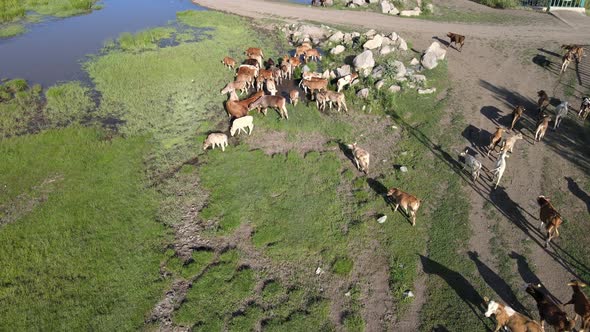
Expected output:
(52, 51)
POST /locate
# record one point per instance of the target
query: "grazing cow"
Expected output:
(473, 164)
(241, 124)
(277, 74)
(269, 63)
(276, 102)
(239, 108)
(294, 97)
(508, 145)
(214, 140)
(312, 54)
(581, 304)
(516, 115)
(549, 311)
(508, 318)
(457, 39)
(314, 84)
(543, 102)
(561, 111)
(344, 81)
(300, 50)
(254, 51)
(584, 108)
(271, 87)
(229, 62)
(499, 168)
(237, 85)
(550, 219)
(320, 100)
(408, 202)
(361, 157)
(566, 59)
(496, 139)
(251, 62)
(542, 126)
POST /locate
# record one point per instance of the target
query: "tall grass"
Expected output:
(144, 40)
(67, 103)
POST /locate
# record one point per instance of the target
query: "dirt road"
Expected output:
(495, 72)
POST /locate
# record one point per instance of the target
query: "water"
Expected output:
(52, 51)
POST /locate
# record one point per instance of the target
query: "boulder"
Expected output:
(373, 43)
(393, 11)
(414, 62)
(359, 2)
(379, 84)
(343, 71)
(371, 33)
(400, 69)
(387, 41)
(395, 88)
(414, 12)
(426, 91)
(393, 36)
(418, 78)
(347, 39)
(337, 37)
(364, 62)
(337, 50)
(402, 45)
(433, 54)
(373, 1)
(386, 7)
(386, 50)
(363, 93)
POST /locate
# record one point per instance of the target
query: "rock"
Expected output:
(403, 169)
(318, 271)
(355, 34)
(387, 41)
(386, 50)
(355, 82)
(400, 69)
(385, 7)
(337, 50)
(395, 88)
(379, 84)
(337, 37)
(426, 91)
(364, 62)
(371, 33)
(305, 69)
(382, 219)
(418, 78)
(332, 75)
(373, 43)
(414, 62)
(393, 11)
(402, 45)
(343, 71)
(373, 1)
(414, 12)
(347, 39)
(401, 79)
(430, 8)
(363, 93)
(377, 72)
(393, 36)
(350, 5)
(348, 293)
(433, 54)
(408, 294)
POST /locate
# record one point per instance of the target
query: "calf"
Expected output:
(276, 102)
(550, 218)
(336, 98)
(457, 39)
(584, 108)
(566, 59)
(229, 62)
(254, 51)
(516, 115)
(241, 124)
(361, 158)
(408, 202)
(215, 139)
(287, 70)
(294, 97)
(237, 85)
(508, 318)
(508, 144)
(581, 304)
(344, 81)
(561, 112)
(300, 50)
(576, 49)
(499, 168)
(312, 54)
(495, 140)
(543, 102)
(549, 311)
(542, 126)
(473, 164)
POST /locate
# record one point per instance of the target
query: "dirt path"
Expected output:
(494, 73)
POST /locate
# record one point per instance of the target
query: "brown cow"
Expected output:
(508, 317)
(408, 202)
(550, 218)
(516, 115)
(457, 39)
(229, 62)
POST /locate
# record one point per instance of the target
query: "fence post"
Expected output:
(583, 3)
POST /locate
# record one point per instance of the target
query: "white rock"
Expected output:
(408, 293)
(430, 8)
(373, 1)
(414, 62)
(403, 169)
(318, 270)
(348, 293)
(401, 79)
(370, 33)
(379, 84)
(393, 36)
(347, 39)
(373, 43)
(393, 11)
(426, 91)
(363, 93)
(414, 12)
(403, 46)
(337, 50)
(418, 78)
(377, 72)
(400, 69)
(364, 62)
(343, 71)
(433, 54)
(395, 88)
(386, 50)
(382, 219)
(387, 41)
(337, 37)
(385, 7)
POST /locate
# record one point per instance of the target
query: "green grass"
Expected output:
(81, 247)
(144, 40)
(499, 3)
(68, 103)
(11, 30)
(19, 108)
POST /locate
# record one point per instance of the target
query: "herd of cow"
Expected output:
(265, 76)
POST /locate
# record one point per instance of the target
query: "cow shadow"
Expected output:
(478, 138)
(575, 189)
(527, 274)
(379, 189)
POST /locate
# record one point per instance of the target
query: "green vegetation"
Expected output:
(67, 103)
(79, 244)
(19, 108)
(144, 40)
(11, 30)
(499, 3)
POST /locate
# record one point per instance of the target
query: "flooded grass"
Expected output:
(145, 40)
(11, 30)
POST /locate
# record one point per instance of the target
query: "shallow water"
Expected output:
(52, 51)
